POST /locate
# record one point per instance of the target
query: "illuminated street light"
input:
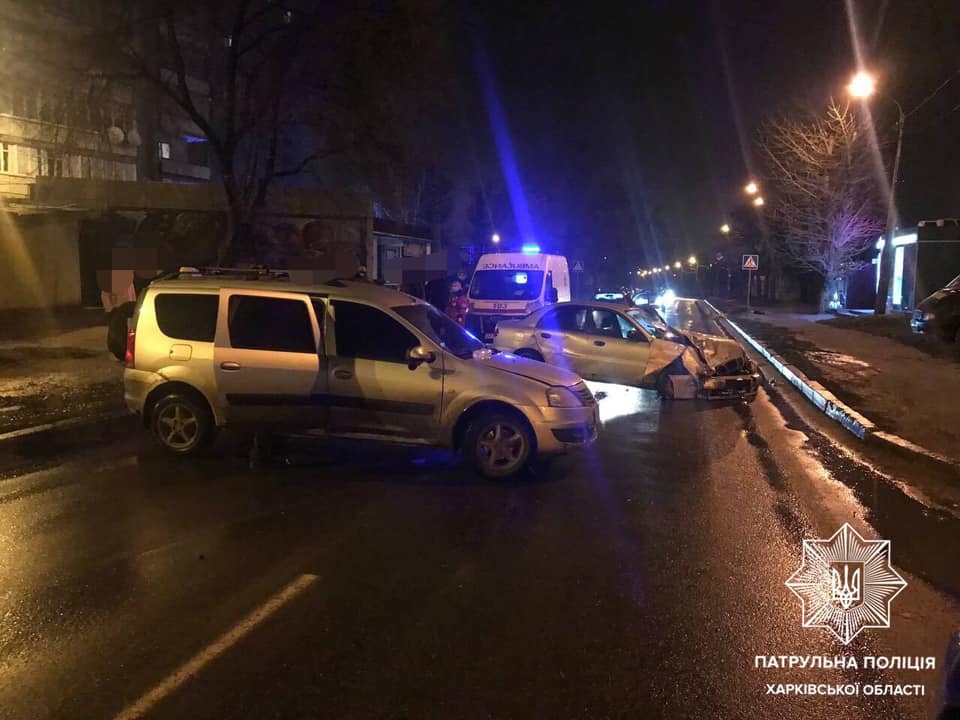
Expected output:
(862, 85)
(666, 268)
(692, 260)
(752, 188)
(678, 265)
(758, 201)
(725, 228)
(495, 239)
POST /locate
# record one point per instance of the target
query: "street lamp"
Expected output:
(495, 239)
(666, 268)
(725, 228)
(758, 201)
(692, 260)
(752, 188)
(677, 265)
(862, 86)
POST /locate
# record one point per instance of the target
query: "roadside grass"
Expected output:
(897, 327)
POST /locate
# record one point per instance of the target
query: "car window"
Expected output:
(184, 316)
(440, 328)
(365, 332)
(266, 323)
(567, 318)
(648, 319)
(605, 322)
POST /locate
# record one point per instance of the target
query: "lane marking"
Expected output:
(212, 651)
(66, 423)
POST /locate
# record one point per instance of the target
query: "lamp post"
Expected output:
(862, 86)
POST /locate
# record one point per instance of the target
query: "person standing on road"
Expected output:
(457, 305)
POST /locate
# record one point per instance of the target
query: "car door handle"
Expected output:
(599, 343)
(546, 336)
(229, 365)
(343, 374)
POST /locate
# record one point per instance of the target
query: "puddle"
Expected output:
(835, 359)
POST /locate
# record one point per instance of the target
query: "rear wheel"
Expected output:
(529, 354)
(498, 445)
(182, 423)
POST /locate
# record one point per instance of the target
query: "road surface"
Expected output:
(639, 580)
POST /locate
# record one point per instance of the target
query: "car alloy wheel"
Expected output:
(182, 424)
(502, 447)
(177, 426)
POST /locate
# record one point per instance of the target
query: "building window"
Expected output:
(163, 150)
(51, 164)
(4, 157)
(197, 152)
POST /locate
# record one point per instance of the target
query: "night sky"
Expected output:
(634, 124)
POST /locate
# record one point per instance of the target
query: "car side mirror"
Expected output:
(419, 355)
(636, 336)
(552, 295)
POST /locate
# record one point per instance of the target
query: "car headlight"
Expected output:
(562, 397)
(929, 316)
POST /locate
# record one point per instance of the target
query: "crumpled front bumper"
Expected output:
(730, 387)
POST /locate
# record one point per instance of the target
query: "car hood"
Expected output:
(532, 369)
(721, 353)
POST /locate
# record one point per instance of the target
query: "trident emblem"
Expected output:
(846, 591)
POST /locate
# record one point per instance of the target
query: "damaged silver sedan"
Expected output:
(632, 346)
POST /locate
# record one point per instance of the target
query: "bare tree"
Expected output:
(238, 71)
(825, 206)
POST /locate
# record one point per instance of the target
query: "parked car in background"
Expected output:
(939, 314)
(345, 359)
(608, 295)
(632, 346)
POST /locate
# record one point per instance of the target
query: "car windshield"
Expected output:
(506, 284)
(440, 328)
(651, 323)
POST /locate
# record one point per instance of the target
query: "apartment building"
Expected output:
(56, 120)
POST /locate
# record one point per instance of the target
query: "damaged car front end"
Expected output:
(633, 346)
(725, 372)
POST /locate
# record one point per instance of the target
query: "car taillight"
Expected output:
(131, 348)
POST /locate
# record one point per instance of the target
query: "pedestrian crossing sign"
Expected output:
(751, 262)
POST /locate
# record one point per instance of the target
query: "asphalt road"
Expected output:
(638, 580)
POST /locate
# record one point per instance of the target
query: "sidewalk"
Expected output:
(901, 388)
(55, 366)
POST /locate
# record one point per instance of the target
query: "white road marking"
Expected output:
(68, 422)
(210, 653)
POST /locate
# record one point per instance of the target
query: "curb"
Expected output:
(828, 403)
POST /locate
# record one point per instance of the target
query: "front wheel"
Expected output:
(182, 424)
(498, 445)
(665, 386)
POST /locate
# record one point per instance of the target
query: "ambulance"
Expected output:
(506, 286)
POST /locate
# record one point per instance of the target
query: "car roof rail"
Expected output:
(259, 272)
